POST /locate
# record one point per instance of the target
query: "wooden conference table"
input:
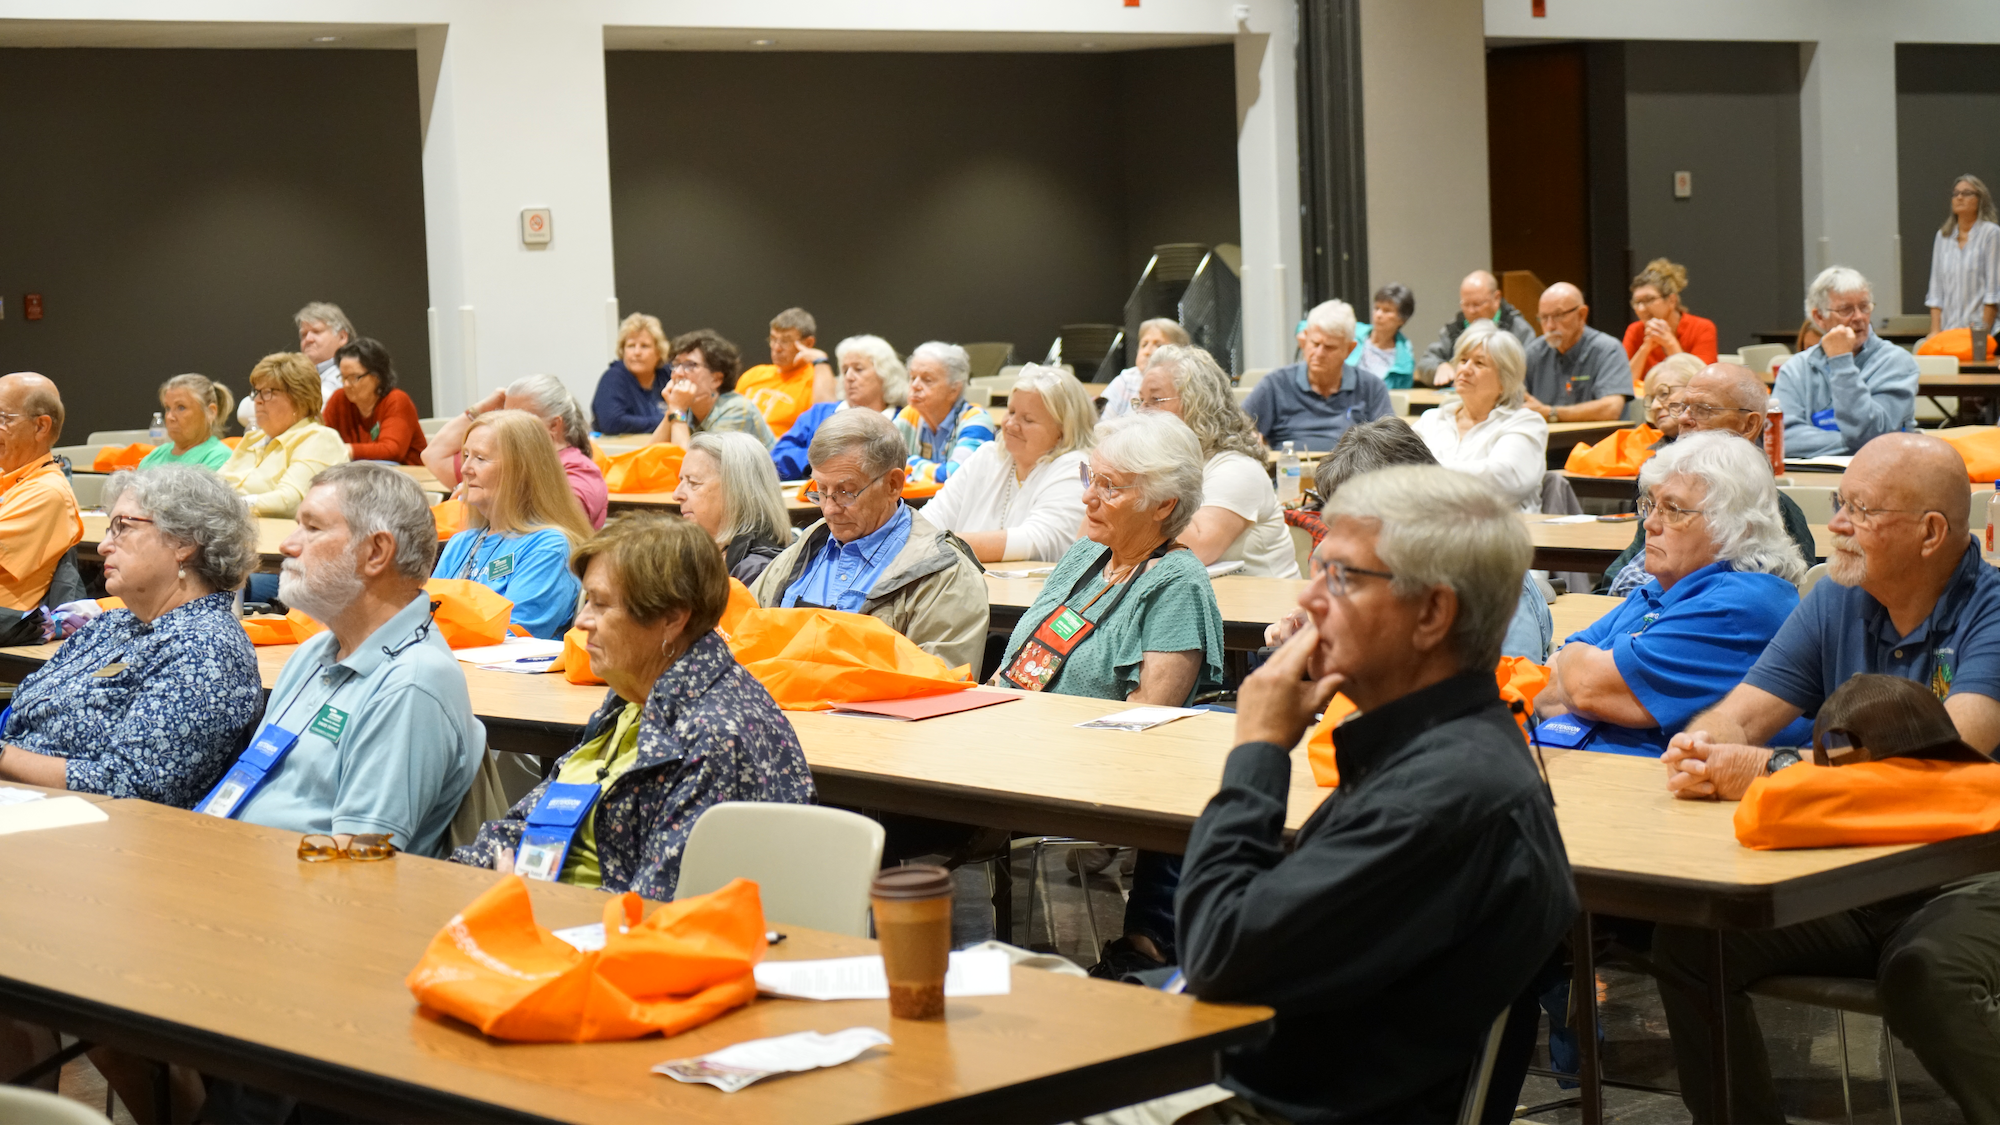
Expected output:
(207, 942)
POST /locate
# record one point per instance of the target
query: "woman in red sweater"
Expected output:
(377, 421)
(1663, 328)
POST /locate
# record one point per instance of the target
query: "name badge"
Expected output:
(552, 825)
(500, 567)
(1824, 420)
(328, 723)
(1566, 732)
(249, 773)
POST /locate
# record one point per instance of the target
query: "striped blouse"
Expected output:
(1964, 279)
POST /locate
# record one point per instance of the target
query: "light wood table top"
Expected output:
(206, 942)
(271, 534)
(1247, 604)
(1961, 385)
(1425, 398)
(1573, 613)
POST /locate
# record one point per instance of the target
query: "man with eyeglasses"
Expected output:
(1478, 299)
(1910, 596)
(1311, 403)
(1727, 398)
(871, 553)
(39, 521)
(1575, 372)
(1852, 386)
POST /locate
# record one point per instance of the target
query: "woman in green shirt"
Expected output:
(1129, 615)
(197, 410)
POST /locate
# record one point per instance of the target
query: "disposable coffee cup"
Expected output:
(913, 924)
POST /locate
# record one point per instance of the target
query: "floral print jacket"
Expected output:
(709, 732)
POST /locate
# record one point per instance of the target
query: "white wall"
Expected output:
(1423, 98)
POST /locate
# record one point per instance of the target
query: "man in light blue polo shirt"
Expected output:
(1910, 596)
(1852, 386)
(369, 724)
(1722, 583)
(1312, 403)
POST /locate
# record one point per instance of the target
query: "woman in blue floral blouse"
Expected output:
(153, 700)
(683, 727)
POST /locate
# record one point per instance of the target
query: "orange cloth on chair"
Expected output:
(1980, 446)
(1619, 455)
(1893, 801)
(780, 396)
(496, 968)
(1956, 342)
(112, 458)
(1518, 677)
(39, 521)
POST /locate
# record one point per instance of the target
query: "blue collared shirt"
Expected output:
(841, 574)
(1841, 630)
(386, 743)
(531, 570)
(1835, 406)
(1287, 408)
(1681, 650)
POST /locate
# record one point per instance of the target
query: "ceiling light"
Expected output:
(326, 38)
(763, 42)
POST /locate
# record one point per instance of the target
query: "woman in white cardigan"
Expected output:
(1022, 497)
(1487, 432)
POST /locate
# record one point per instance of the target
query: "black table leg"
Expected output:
(1583, 1021)
(1721, 1106)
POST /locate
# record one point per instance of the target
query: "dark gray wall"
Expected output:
(962, 197)
(1947, 124)
(176, 207)
(1728, 113)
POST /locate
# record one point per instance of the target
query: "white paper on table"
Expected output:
(1023, 572)
(1585, 518)
(587, 939)
(1139, 718)
(1837, 461)
(12, 796)
(55, 812)
(973, 972)
(738, 1065)
(510, 650)
(1222, 568)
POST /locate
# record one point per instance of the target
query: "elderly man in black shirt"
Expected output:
(1418, 901)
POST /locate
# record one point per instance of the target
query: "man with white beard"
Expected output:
(1910, 597)
(369, 729)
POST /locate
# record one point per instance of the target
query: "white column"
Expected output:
(516, 120)
(1847, 149)
(1267, 171)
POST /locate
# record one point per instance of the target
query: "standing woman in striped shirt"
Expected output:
(1965, 260)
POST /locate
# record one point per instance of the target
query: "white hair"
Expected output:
(1741, 508)
(895, 377)
(192, 505)
(375, 497)
(956, 360)
(753, 504)
(1831, 280)
(1160, 451)
(1503, 351)
(552, 400)
(1440, 527)
(880, 446)
(1067, 400)
(1335, 318)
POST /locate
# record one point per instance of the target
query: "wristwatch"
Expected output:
(684, 417)
(471, 414)
(1782, 758)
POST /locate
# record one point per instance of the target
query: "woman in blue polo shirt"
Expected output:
(1724, 579)
(521, 521)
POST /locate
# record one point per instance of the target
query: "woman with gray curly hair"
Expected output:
(1724, 575)
(154, 699)
(1240, 520)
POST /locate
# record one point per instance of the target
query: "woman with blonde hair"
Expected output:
(1486, 431)
(277, 460)
(196, 410)
(1022, 497)
(628, 398)
(1663, 385)
(729, 489)
(1965, 260)
(1239, 520)
(521, 521)
(1663, 328)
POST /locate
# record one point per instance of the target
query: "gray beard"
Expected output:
(321, 594)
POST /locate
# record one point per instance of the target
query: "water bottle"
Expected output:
(1290, 476)
(158, 432)
(1774, 435)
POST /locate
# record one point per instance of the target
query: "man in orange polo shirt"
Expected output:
(798, 375)
(38, 516)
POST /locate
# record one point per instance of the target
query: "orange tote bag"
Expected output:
(1519, 679)
(1892, 801)
(1619, 455)
(649, 468)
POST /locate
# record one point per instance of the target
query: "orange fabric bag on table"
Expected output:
(112, 458)
(814, 659)
(291, 629)
(574, 663)
(495, 968)
(1518, 677)
(1892, 801)
(450, 517)
(469, 615)
(1619, 455)
(1956, 342)
(649, 468)
(1980, 446)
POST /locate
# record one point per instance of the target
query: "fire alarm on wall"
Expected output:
(31, 306)
(536, 226)
(1683, 185)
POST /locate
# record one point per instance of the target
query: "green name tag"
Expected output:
(329, 723)
(500, 567)
(1066, 624)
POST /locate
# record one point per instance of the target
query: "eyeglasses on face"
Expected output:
(1852, 312)
(839, 497)
(268, 393)
(119, 525)
(1561, 313)
(1339, 577)
(1157, 403)
(1673, 514)
(1101, 483)
(1862, 516)
(366, 848)
(1701, 411)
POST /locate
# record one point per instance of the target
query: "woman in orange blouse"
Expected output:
(1663, 328)
(377, 421)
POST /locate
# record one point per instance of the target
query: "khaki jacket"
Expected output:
(932, 592)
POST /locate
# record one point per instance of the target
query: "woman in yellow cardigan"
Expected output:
(277, 460)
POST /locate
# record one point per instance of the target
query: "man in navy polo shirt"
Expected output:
(1311, 403)
(1910, 597)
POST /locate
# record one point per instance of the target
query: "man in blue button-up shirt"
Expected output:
(1852, 386)
(1910, 596)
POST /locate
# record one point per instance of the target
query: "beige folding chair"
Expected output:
(1843, 995)
(1399, 403)
(812, 865)
(116, 437)
(430, 426)
(1814, 573)
(1255, 376)
(19, 1103)
(1758, 357)
(1816, 501)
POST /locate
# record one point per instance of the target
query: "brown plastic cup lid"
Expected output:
(917, 880)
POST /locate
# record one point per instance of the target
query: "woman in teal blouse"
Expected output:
(196, 410)
(1129, 615)
(1384, 350)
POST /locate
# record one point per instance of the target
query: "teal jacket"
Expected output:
(1399, 374)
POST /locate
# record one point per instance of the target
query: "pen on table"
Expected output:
(773, 937)
(535, 659)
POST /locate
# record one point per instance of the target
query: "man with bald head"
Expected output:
(38, 516)
(1726, 397)
(1910, 596)
(1478, 299)
(1575, 372)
